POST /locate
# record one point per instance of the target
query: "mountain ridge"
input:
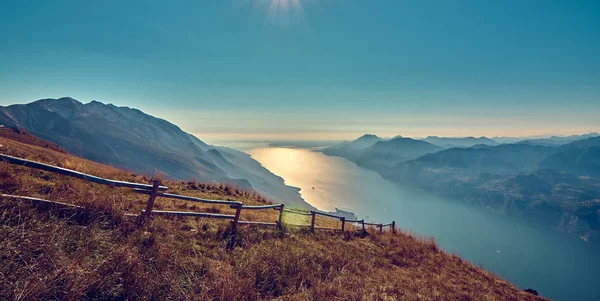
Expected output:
(390, 152)
(447, 142)
(129, 138)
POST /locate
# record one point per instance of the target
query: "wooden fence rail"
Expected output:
(39, 201)
(189, 198)
(75, 174)
(195, 214)
(155, 189)
(276, 207)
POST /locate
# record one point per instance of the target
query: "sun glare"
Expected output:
(283, 10)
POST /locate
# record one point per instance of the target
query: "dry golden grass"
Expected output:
(18, 134)
(97, 253)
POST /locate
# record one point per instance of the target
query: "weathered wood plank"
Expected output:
(152, 198)
(316, 228)
(326, 228)
(234, 224)
(277, 206)
(371, 224)
(75, 174)
(189, 198)
(297, 225)
(355, 220)
(40, 201)
(256, 223)
(280, 217)
(195, 214)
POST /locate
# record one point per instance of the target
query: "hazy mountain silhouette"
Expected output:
(388, 153)
(580, 157)
(351, 150)
(545, 140)
(557, 140)
(374, 152)
(459, 142)
(128, 138)
(505, 158)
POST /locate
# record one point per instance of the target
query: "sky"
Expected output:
(312, 70)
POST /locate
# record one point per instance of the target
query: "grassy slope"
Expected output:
(23, 136)
(49, 253)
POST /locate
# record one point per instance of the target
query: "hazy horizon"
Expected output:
(268, 137)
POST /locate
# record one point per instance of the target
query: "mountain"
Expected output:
(580, 158)
(351, 150)
(459, 142)
(505, 158)
(545, 140)
(558, 140)
(388, 153)
(130, 139)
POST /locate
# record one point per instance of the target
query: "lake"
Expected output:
(559, 266)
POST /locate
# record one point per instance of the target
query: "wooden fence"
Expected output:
(155, 190)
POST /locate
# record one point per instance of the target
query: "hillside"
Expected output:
(501, 159)
(130, 139)
(384, 154)
(580, 157)
(21, 135)
(97, 253)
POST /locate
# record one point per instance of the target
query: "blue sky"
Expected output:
(330, 69)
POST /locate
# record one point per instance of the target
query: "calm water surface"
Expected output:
(559, 266)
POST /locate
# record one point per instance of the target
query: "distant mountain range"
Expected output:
(556, 183)
(542, 140)
(459, 142)
(128, 138)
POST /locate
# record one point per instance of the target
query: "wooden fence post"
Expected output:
(312, 223)
(280, 221)
(363, 225)
(394, 227)
(380, 228)
(236, 218)
(153, 194)
(343, 219)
